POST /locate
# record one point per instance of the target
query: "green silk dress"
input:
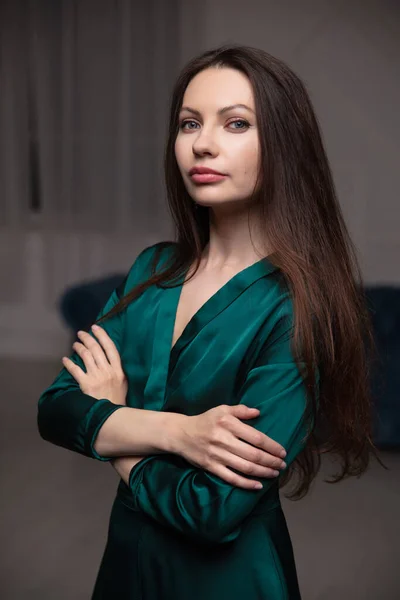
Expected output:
(178, 532)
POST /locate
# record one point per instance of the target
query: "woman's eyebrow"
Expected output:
(220, 111)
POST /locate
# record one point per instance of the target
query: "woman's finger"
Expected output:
(86, 356)
(246, 467)
(95, 349)
(234, 479)
(252, 454)
(74, 369)
(108, 345)
(256, 438)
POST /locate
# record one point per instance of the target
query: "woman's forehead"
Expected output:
(217, 88)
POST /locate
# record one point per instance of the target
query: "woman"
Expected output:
(254, 313)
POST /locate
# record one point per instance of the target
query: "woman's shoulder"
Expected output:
(147, 262)
(276, 309)
(277, 301)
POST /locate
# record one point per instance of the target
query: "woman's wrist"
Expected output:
(173, 432)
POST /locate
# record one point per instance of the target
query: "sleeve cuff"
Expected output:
(98, 414)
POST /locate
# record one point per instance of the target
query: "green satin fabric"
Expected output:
(177, 531)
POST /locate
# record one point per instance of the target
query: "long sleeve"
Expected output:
(66, 416)
(202, 505)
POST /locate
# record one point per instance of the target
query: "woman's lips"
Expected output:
(207, 177)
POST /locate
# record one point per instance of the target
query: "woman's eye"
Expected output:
(184, 123)
(238, 125)
(242, 124)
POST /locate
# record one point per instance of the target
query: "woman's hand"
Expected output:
(213, 441)
(104, 377)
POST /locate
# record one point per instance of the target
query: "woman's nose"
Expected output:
(204, 144)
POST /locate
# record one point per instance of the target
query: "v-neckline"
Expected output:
(164, 355)
(238, 282)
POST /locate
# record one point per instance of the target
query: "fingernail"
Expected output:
(95, 326)
(282, 454)
(275, 473)
(258, 486)
(283, 465)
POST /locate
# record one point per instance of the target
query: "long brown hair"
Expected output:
(304, 225)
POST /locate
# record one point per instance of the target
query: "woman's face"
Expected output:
(216, 133)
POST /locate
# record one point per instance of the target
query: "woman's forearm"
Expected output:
(133, 431)
(124, 464)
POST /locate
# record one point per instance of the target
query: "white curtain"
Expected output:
(85, 88)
